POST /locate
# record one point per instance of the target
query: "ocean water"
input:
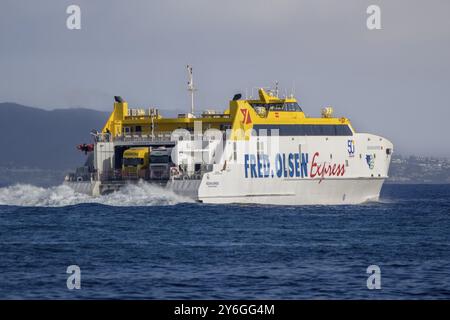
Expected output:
(146, 243)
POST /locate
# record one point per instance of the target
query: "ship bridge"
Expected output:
(269, 112)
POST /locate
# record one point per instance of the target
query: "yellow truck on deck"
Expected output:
(135, 163)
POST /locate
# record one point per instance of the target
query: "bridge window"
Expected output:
(287, 106)
(276, 107)
(292, 106)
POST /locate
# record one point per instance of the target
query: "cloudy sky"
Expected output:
(394, 82)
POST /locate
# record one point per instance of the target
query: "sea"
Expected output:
(147, 243)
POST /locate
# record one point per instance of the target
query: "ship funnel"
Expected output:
(118, 99)
(237, 96)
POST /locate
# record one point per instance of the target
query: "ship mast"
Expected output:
(191, 87)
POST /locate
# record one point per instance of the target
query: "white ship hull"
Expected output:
(307, 192)
(300, 171)
(337, 170)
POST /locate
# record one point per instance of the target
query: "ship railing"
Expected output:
(110, 175)
(175, 173)
(134, 137)
(102, 137)
(74, 177)
(196, 176)
(164, 136)
(160, 136)
(181, 173)
(118, 175)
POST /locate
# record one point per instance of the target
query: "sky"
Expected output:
(394, 82)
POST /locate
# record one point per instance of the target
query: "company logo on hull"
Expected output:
(370, 161)
(290, 165)
(247, 119)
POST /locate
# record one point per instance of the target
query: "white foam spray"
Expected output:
(140, 194)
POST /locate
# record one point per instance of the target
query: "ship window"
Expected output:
(343, 130)
(292, 106)
(138, 129)
(306, 130)
(287, 106)
(132, 161)
(234, 151)
(276, 107)
(159, 159)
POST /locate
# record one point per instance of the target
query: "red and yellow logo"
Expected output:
(247, 119)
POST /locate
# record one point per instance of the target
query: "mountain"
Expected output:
(32, 137)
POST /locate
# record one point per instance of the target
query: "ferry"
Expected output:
(262, 150)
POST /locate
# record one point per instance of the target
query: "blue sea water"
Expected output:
(166, 248)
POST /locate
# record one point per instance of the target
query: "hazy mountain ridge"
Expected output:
(38, 138)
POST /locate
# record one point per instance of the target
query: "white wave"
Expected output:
(140, 194)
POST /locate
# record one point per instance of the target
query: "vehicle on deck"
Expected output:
(135, 163)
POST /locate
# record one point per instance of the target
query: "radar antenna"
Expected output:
(191, 87)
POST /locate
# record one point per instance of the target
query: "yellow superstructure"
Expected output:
(268, 110)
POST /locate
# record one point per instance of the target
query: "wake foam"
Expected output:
(140, 194)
